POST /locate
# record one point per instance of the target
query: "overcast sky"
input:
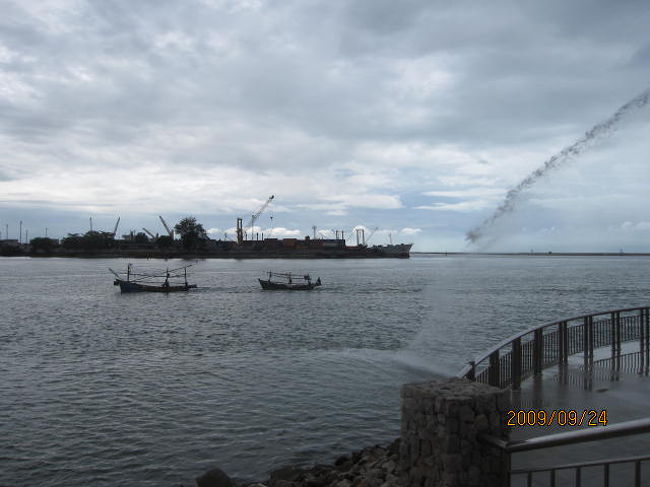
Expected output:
(414, 117)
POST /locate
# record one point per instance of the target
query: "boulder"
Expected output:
(286, 474)
(214, 478)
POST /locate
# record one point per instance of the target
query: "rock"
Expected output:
(214, 478)
(391, 481)
(286, 483)
(389, 466)
(374, 466)
(319, 476)
(284, 475)
(393, 448)
(341, 460)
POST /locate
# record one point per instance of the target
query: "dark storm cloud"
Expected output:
(493, 46)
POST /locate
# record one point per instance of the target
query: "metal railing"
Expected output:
(530, 352)
(573, 437)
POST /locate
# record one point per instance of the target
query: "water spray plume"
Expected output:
(512, 197)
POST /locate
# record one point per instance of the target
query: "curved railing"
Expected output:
(529, 352)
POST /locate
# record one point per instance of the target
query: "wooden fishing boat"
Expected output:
(288, 282)
(168, 281)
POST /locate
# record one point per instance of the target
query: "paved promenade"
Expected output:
(622, 388)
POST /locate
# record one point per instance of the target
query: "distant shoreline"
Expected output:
(207, 255)
(540, 254)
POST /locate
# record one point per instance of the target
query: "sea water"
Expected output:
(99, 388)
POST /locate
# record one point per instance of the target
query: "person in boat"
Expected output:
(318, 281)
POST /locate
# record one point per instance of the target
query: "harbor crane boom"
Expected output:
(169, 232)
(257, 214)
(117, 223)
(149, 233)
(371, 234)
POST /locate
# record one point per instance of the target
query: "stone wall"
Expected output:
(441, 423)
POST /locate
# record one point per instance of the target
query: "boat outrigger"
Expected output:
(289, 282)
(136, 282)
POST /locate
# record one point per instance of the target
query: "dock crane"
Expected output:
(117, 223)
(259, 212)
(370, 236)
(149, 233)
(361, 235)
(254, 216)
(169, 232)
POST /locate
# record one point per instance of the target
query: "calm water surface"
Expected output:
(103, 389)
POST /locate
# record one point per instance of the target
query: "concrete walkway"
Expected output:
(624, 394)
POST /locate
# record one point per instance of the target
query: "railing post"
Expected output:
(565, 334)
(494, 373)
(646, 326)
(538, 351)
(564, 342)
(471, 375)
(515, 363)
(617, 325)
(642, 337)
(645, 321)
(612, 327)
(590, 327)
(560, 344)
(644, 333)
(585, 336)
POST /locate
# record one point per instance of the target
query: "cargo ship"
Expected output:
(307, 248)
(266, 248)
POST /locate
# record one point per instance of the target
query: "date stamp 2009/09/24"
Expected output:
(560, 417)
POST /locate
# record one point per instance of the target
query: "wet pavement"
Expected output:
(583, 393)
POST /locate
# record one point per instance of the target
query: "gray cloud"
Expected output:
(320, 101)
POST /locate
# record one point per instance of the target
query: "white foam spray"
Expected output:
(513, 196)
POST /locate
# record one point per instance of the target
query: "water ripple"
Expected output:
(103, 389)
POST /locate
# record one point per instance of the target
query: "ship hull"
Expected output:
(134, 287)
(253, 249)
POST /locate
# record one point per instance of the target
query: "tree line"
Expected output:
(192, 237)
